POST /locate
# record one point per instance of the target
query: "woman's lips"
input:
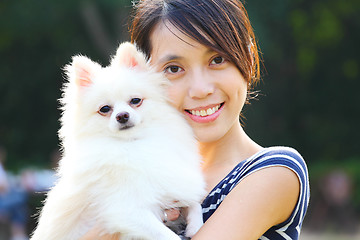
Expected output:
(205, 115)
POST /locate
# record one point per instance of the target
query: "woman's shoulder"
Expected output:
(267, 157)
(290, 158)
(247, 174)
(276, 151)
(276, 156)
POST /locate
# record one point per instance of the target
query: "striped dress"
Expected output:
(272, 156)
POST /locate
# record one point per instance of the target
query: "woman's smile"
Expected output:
(205, 114)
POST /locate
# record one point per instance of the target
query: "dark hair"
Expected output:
(222, 25)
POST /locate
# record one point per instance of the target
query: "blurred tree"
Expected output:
(311, 54)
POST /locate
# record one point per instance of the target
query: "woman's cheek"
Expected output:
(174, 95)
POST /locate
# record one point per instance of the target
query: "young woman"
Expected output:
(207, 49)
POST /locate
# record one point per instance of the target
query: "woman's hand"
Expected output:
(171, 214)
(95, 233)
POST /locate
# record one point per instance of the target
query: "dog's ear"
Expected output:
(127, 55)
(82, 71)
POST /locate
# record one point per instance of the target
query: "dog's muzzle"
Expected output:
(123, 119)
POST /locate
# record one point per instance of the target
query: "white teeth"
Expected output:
(204, 113)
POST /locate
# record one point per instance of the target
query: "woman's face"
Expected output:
(207, 88)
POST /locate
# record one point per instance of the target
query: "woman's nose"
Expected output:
(200, 85)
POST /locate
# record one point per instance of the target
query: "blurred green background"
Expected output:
(309, 94)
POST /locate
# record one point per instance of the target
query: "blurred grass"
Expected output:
(327, 236)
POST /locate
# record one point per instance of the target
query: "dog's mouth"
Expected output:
(125, 127)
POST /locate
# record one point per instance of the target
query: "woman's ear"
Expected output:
(127, 55)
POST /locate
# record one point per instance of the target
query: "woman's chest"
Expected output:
(214, 175)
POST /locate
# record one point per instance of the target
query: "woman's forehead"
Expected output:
(168, 42)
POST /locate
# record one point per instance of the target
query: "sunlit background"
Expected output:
(308, 99)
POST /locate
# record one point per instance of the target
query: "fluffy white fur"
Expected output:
(121, 175)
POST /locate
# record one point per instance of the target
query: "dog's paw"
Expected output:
(194, 220)
(192, 229)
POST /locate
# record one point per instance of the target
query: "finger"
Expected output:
(172, 214)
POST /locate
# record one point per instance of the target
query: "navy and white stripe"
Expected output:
(272, 156)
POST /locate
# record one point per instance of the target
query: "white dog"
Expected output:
(128, 154)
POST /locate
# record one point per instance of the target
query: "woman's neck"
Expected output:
(232, 148)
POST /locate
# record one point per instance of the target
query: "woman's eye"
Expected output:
(105, 109)
(173, 69)
(217, 60)
(136, 101)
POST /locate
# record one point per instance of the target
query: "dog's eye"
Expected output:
(104, 109)
(136, 102)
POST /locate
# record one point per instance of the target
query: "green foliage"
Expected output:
(309, 91)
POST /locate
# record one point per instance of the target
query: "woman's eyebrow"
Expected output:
(169, 58)
(210, 52)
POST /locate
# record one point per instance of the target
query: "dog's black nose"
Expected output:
(122, 117)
